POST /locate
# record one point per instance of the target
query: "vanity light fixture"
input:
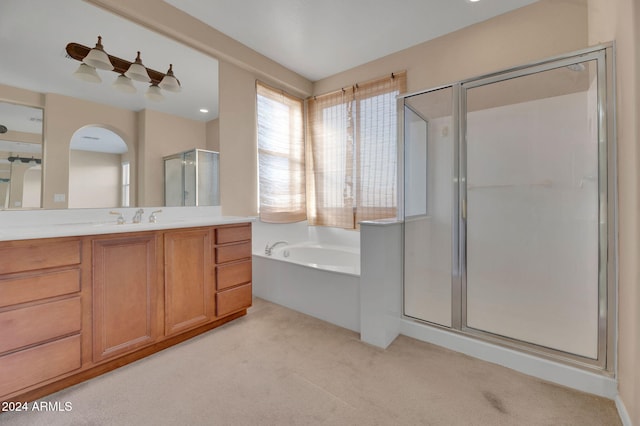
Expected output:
(98, 58)
(87, 73)
(127, 71)
(170, 82)
(154, 93)
(137, 71)
(124, 84)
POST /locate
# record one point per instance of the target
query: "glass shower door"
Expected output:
(430, 159)
(532, 208)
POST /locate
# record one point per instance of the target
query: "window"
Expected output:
(281, 165)
(126, 184)
(352, 164)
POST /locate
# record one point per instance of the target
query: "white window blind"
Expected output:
(352, 160)
(281, 166)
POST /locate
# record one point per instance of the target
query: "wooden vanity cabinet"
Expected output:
(188, 286)
(207, 275)
(125, 293)
(233, 269)
(74, 308)
(40, 311)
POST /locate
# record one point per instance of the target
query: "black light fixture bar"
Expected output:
(24, 160)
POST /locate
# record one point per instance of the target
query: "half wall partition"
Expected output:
(509, 204)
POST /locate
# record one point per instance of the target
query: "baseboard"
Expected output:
(622, 412)
(548, 370)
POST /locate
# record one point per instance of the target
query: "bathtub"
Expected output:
(316, 279)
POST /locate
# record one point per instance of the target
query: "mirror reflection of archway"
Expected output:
(98, 172)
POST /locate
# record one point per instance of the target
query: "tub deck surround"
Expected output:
(381, 276)
(77, 305)
(348, 278)
(327, 257)
(317, 273)
(323, 294)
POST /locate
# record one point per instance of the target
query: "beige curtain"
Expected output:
(330, 179)
(352, 153)
(281, 156)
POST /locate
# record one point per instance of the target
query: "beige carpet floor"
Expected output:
(279, 367)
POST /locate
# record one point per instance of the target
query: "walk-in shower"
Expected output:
(509, 196)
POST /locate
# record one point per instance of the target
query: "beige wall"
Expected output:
(213, 135)
(21, 96)
(64, 116)
(619, 20)
(16, 194)
(94, 179)
(163, 135)
(238, 150)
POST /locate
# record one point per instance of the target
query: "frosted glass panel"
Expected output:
(429, 163)
(532, 209)
(173, 181)
(191, 178)
(415, 164)
(190, 181)
(208, 191)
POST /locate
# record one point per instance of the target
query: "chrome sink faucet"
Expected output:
(153, 218)
(137, 218)
(268, 249)
(121, 220)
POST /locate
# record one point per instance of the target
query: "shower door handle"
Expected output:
(464, 209)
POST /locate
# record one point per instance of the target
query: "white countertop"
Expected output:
(32, 224)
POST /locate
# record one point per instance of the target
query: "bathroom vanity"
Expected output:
(75, 306)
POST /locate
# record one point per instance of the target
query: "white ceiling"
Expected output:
(319, 38)
(314, 38)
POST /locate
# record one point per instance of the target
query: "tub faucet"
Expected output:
(137, 218)
(267, 249)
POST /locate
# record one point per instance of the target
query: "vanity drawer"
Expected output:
(38, 286)
(233, 252)
(38, 254)
(233, 274)
(232, 300)
(38, 364)
(233, 234)
(38, 323)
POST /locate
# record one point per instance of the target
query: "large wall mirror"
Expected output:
(20, 156)
(67, 139)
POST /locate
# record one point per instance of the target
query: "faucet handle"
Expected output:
(137, 218)
(152, 216)
(120, 217)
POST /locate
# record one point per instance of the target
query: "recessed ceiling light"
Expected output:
(204, 110)
(472, 1)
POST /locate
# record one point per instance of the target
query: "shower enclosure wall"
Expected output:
(191, 178)
(508, 208)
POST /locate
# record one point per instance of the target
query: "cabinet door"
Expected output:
(189, 287)
(125, 286)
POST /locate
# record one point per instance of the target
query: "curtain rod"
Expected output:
(356, 85)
